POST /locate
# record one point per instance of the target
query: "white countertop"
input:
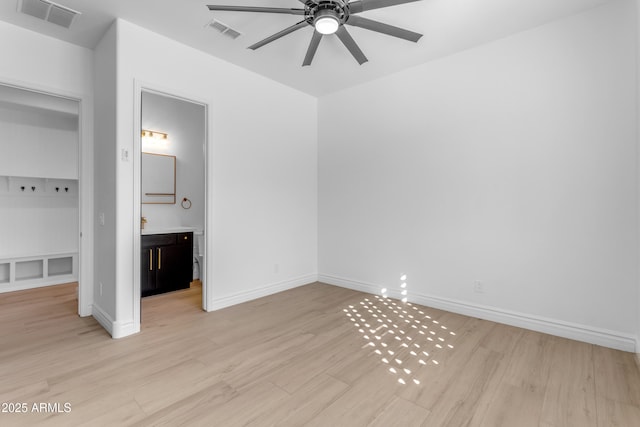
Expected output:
(165, 230)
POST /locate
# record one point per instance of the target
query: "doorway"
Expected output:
(40, 197)
(173, 135)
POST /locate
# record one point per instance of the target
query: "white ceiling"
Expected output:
(449, 26)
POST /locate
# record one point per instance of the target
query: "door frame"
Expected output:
(139, 88)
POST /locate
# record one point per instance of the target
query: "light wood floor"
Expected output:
(316, 355)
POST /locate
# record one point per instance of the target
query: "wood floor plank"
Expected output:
(618, 414)
(246, 408)
(514, 406)
(617, 387)
(361, 403)
(196, 406)
(519, 398)
(459, 401)
(304, 366)
(570, 398)
(316, 355)
(305, 404)
(400, 413)
(616, 375)
(438, 371)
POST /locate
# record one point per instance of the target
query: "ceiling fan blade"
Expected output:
(350, 44)
(390, 30)
(363, 5)
(279, 34)
(257, 9)
(313, 46)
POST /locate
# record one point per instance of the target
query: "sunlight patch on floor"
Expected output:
(401, 334)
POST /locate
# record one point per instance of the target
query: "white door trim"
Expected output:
(206, 277)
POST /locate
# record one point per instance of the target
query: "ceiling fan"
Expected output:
(329, 17)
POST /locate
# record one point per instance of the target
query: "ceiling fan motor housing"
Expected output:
(337, 9)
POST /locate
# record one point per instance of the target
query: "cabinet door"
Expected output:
(185, 242)
(148, 272)
(171, 268)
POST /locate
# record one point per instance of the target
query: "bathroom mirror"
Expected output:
(158, 179)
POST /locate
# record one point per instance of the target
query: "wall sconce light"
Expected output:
(154, 135)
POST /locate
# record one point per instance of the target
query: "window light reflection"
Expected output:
(404, 347)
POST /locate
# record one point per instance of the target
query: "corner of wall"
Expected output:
(574, 331)
(114, 328)
(270, 289)
(124, 329)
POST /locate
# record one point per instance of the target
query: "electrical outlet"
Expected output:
(478, 287)
(101, 218)
(100, 288)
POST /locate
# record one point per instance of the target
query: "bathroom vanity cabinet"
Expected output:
(167, 262)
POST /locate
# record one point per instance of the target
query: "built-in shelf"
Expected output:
(60, 266)
(33, 271)
(4, 272)
(29, 270)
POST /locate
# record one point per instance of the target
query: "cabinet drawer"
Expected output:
(158, 240)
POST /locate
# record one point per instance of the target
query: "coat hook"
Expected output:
(22, 188)
(33, 188)
(66, 189)
(57, 189)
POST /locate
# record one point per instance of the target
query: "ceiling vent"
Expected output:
(223, 29)
(48, 11)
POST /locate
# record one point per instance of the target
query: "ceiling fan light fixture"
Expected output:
(326, 22)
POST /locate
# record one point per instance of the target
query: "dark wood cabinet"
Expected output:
(167, 263)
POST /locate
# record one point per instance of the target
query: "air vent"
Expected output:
(48, 11)
(223, 29)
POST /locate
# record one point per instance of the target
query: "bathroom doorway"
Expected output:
(173, 135)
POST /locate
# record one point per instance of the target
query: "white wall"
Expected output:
(262, 184)
(513, 164)
(185, 123)
(38, 143)
(106, 154)
(637, 5)
(38, 224)
(34, 61)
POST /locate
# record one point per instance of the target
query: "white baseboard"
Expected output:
(36, 283)
(592, 335)
(115, 329)
(269, 289)
(102, 318)
(121, 330)
(86, 311)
